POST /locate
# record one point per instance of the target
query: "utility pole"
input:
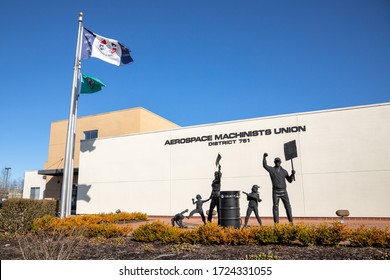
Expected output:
(7, 169)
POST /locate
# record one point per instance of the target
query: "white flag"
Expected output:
(106, 49)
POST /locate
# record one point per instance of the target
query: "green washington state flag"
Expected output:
(90, 84)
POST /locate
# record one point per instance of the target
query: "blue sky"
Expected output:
(195, 62)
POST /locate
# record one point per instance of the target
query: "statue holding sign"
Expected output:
(279, 188)
(215, 192)
(290, 152)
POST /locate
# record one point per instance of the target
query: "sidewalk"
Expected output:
(194, 221)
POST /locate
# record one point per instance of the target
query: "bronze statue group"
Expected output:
(278, 176)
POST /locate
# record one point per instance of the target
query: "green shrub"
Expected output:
(209, 234)
(331, 234)
(105, 230)
(106, 226)
(370, 237)
(122, 217)
(284, 233)
(243, 236)
(264, 235)
(18, 214)
(150, 232)
(212, 234)
(96, 225)
(190, 237)
(161, 232)
(305, 234)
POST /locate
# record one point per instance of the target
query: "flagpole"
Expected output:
(67, 183)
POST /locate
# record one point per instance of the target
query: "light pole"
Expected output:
(7, 169)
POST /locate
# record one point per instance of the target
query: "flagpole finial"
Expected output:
(81, 16)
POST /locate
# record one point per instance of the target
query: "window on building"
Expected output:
(90, 134)
(34, 192)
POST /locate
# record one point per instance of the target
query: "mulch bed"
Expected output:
(128, 249)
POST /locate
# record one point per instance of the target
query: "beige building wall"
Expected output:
(123, 122)
(343, 163)
(33, 180)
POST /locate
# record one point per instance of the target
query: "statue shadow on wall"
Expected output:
(87, 146)
(82, 192)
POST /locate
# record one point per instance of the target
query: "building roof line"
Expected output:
(250, 119)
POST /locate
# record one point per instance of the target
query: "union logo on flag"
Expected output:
(107, 48)
(91, 83)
